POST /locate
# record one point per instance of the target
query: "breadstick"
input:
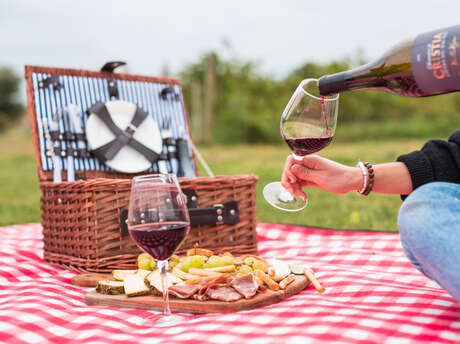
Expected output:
(229, 254)
(203, 272)
(264, 277)
(271, 271)
(238, 260)
(182, 275)
(199, 251)
(199, 279)
(226, 268)
(266, 264)
(311, 276)
(256, 257)
(259, 280)
(288, 280)
(195, 280)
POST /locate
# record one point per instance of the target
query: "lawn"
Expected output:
(20, 194)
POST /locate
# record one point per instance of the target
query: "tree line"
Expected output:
(248, 104)
(232, 101)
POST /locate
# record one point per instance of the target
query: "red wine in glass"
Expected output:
(158, 222)
(160, 240)
(307, 125)
(301, 146)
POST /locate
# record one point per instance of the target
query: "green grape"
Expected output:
(183, 266)
(249, 261)
(145, 262)
(258, 265)
(195, 261)
(174, 258)
(227, 260)
(172, 265)
(212, 262)
(245, 269)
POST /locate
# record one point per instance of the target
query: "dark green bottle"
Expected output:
(420, 67)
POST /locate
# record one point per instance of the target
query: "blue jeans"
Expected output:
(429, 224)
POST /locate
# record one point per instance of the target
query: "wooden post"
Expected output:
(196, 117)
(210, 84)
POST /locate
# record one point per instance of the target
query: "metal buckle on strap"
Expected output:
(131, 129)
(219, 211)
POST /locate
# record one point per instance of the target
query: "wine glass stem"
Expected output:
(163, 266)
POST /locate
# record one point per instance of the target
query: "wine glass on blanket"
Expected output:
(307, 125)
(158, 222)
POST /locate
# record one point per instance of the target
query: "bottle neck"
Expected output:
(357, 78)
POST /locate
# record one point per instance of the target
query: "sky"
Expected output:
(151, 34)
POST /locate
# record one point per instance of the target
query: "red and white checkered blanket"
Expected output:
(373, 295)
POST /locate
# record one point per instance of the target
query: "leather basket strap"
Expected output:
(122, 137)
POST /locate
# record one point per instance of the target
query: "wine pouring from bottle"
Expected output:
(307, 125)
(420, 67)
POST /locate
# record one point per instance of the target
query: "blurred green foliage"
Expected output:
(10, 107)
(249, 105)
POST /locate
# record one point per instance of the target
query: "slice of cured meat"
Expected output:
(246, 285)
(184, 291)
(213, 282)
(200, 297)
(226, 294)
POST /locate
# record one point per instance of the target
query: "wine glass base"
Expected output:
(279, 198)
(161, 320)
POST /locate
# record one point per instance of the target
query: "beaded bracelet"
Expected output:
(368, 178)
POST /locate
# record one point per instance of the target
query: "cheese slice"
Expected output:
(135, 285)
(282, 269)
(120, 275)
(110, 287)
(154, 280)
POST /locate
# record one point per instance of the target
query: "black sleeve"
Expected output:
(437, 161)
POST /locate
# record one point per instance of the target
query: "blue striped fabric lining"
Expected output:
(86, 91)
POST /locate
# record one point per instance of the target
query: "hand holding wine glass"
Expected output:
(307, 125)
(316, 171)
(158, 222)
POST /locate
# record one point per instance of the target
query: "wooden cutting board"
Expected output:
(261, 299)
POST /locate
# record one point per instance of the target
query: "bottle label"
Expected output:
(435, 59)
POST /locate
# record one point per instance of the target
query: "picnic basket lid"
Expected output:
(84, 88)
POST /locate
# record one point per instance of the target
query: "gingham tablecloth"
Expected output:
(373, 295)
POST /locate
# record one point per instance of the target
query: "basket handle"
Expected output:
(170, 89)
(111, 65)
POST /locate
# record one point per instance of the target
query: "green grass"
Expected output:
(378, 212)
(20, 194)
(19, 188)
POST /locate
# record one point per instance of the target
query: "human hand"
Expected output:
(319, 172)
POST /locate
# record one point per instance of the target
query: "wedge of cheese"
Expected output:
(135, 286)
(282, 269)
(154, 280)
(297, 269)
(120, 275)
(143, 273)
(110, 287)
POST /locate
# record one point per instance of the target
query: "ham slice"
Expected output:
(246, 285)
(222, 280)
(200, 297)
(184, 291)
(226, 294)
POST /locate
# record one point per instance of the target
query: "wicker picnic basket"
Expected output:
(83, 220)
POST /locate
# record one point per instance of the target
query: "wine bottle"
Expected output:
(420, 67)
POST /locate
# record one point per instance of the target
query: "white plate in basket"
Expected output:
(128, 160)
